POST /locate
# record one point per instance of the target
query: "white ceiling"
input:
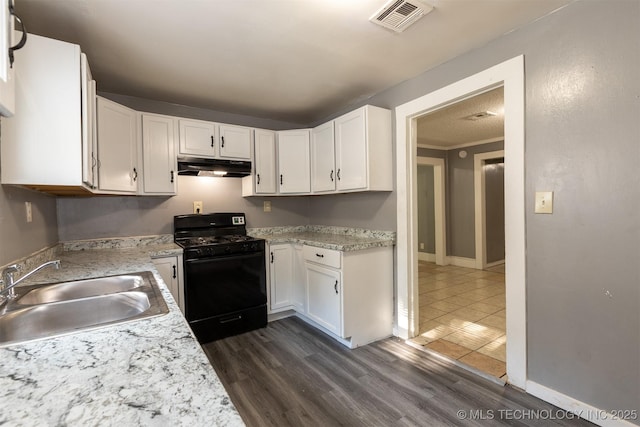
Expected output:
(291, 60)
(450, 127)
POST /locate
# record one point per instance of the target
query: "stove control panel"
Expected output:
(226, 249)
(237, 220)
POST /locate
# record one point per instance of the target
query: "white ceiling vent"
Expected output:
(398, 15)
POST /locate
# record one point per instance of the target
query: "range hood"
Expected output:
(196, 166)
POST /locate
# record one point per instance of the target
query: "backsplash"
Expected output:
(117, 242)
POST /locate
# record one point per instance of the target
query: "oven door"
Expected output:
(224, 284)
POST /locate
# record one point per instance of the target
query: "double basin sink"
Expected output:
(45, 311)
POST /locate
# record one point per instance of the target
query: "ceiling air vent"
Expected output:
(398, 15)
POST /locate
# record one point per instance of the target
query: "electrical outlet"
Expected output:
(421, 246)
(28, 211)
(197, 207)
(267, 206)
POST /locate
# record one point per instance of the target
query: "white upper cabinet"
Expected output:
(7, 85)
(200, 138)
(118, 170)
(294, 174)
(265, 161)
(197, 138)
(89, 136)
(323, 174)
(42, 146)
(158, 154)
(235, 142)
(363, 150)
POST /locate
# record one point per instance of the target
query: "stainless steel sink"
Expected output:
(57, 309)
(81, 289)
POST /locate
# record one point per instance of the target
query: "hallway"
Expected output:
(462, 315)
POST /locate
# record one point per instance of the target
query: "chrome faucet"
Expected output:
(8, 282)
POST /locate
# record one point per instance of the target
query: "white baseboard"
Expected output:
(459, 261)
(494, 263)
(425, 256)
(581, 409)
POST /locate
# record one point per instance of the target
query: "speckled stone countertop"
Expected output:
(150, 372)
(336, 238)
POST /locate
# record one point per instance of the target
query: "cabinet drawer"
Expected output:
(323, 256)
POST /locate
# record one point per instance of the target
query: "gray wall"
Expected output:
(17, 237)
(159, 107)
(94, 217)
(582, 105)
(374, 210)
(461, 208)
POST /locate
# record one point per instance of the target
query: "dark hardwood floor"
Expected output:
(289, 374)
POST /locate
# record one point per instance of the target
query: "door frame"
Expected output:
(509, 74)
(439, 198)
(480, 208)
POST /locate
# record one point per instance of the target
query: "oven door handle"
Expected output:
(244, 255)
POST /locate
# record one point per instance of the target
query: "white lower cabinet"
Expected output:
(286, 278)
(170, 269)
(281, 277)
(349, 294)
(324, 299)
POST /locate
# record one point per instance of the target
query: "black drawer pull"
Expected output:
(271, 257)
(336, 287)
(174, 272)
(211, 140)
(231, 319)
(320, 255)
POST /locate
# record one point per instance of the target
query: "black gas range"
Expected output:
(224, 275)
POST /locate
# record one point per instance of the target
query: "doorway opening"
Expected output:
(461, 308)
(510, 75)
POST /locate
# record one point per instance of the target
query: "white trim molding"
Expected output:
(581, 409)
(509, 74)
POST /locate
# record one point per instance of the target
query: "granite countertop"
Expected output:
(149, 372)
(336, 238)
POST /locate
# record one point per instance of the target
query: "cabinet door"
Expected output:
(89, 145)
(293, 162)
(158, 154)
(197, 138)
(324, 299)
(281, 276)
(235, 142)
(169, 271)
(351, 151)
(323, 159)
(117, 147)
(265, 161)
(299, 288)
(7, 84)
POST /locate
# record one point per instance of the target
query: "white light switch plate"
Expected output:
(544, 202)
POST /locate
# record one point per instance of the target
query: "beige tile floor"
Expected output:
(462, 315)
